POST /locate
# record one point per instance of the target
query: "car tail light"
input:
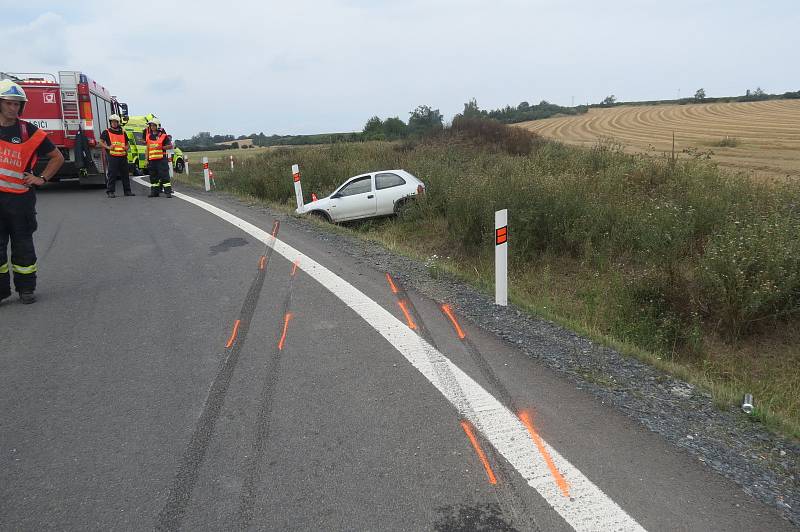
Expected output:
(420, 190)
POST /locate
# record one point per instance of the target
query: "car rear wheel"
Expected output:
(179, 166)
(401, 206)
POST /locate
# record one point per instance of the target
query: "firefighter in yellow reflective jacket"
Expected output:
(20, 144)
(115, 143)
(157, 142)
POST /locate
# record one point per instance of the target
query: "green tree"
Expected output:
(424, 120)
(609, 100)
(394, 128)
(471, 110)
(700, 95)
(373, 129)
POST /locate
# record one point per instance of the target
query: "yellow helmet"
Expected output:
(11, 91)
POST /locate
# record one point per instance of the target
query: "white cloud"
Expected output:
(39, 42)
(313, 66)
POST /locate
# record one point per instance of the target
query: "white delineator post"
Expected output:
(186, 165)
(501, 257)
(170, 155)
(231, 163)
(298, 190)
(205, 174)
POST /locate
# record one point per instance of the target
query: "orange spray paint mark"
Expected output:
(285, 328)
(449, 311)
(410, 321)
(468, 429)
(233, 334)
(560, 480)
(294, 268)
(262, 262)
(275, 226)
(391, 283)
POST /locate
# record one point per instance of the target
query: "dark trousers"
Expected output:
(118, 169)
(17, 224)
(159, 176)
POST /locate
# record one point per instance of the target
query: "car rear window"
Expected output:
(388, 180)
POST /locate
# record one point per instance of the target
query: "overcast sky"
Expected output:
(319, 66)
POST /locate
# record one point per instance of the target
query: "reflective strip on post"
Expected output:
(205, 174)
(501, 257)
(298, 190)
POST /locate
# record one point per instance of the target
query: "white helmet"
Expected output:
(114, 117)
(155, 121)
(11, 91)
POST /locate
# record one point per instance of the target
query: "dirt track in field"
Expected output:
(768, 133)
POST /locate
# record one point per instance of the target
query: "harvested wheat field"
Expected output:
(762, 138)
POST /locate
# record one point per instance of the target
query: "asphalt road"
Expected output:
(130, 399)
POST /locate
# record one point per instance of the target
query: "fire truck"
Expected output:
(73, 109)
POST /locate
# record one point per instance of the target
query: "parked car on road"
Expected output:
(380, 193)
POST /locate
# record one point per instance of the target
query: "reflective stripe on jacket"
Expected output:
(117, 141)
(14, 159)
(155, 148)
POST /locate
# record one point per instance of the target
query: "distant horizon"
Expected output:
(591, 105)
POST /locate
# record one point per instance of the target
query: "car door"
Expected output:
(354, 200)
(389, 187)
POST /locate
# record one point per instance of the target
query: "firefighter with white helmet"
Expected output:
(157, 142)
(21, 144)
(116, 145)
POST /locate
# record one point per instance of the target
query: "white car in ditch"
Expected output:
(367, 195)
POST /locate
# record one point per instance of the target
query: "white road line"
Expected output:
(588, 509)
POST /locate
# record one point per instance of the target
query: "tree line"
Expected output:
(424, 119)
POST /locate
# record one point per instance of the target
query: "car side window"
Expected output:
(388, 180)
(359, 186)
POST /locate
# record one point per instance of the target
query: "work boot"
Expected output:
(27, 298)
(167, 194)
(111, 195)
(129, 193)
(153, 194)
(2, 297)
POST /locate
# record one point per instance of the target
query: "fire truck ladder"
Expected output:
(70, 110)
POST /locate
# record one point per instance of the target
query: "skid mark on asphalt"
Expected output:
(477, 446)
(506, 492)
(252, 469)
(587, 509)
(52, 241)
(506, 397)
(180, 493)
(234, 334)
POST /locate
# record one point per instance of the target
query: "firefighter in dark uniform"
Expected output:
(157, 143)
(21, 143)
(115, 143)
